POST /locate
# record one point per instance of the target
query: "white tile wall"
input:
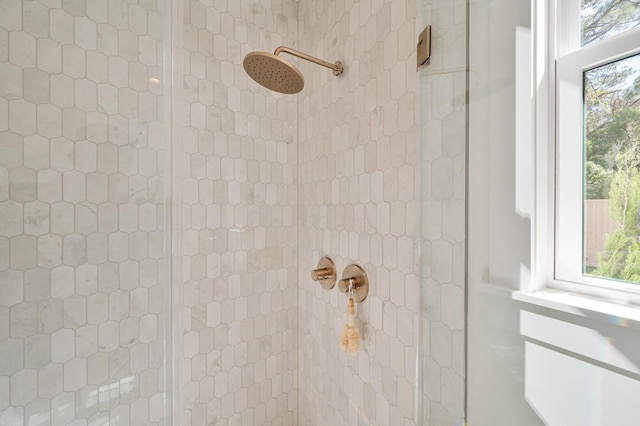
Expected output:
(442, 314)
(239, 219)
(359, 186)
(270, 183)
(82, 287)
(348, 148)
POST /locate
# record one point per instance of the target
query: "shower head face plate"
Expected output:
(273, 72)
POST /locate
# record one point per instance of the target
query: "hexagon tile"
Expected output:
(83, 285)
(239, 219)
(359, 180)
(268, 184)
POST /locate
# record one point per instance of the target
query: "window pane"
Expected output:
(612, 170)
(604, 18)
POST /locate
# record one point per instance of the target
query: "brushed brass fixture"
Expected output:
(424, 46)
(354, 278)
(326, 273)
(277, 74)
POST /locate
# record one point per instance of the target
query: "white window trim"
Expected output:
(563, 282)
(569, 191)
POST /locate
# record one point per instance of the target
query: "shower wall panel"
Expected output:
(443, 88)
(238, 218)
(359, 152)
(83, 283)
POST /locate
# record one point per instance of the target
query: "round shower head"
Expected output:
(273, 72)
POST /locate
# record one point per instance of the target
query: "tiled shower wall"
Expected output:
(239, 218)
(443, 106)
(82, 208)
(359, 173)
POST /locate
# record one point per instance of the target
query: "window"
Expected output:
(596, 237)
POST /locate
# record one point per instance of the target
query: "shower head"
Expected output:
(273, 72)
(277, 74)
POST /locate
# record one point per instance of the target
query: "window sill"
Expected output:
(625, 315)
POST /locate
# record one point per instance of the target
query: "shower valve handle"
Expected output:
(325, 273)
(322, 274)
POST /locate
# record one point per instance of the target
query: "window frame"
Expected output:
(559, 63)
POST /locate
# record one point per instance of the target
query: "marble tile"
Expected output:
(238, 253)
(443, 195)
(270, 183)
(56, 190)
(372, 139)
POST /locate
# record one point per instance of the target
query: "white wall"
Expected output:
(525, 362)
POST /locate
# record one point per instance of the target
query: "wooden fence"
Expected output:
(598, 225)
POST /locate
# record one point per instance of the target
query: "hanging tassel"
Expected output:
(344, 338)
(350, 338)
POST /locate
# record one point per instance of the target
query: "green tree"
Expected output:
(603, 18)
(612, 136)
(598, 181)
(612, 121)
(621, 258)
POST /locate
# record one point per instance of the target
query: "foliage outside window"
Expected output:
(612, 167)
(601, 19)
(612, 145)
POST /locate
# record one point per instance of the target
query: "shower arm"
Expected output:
(337, 67)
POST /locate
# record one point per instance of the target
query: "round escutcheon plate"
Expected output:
(358, 277)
